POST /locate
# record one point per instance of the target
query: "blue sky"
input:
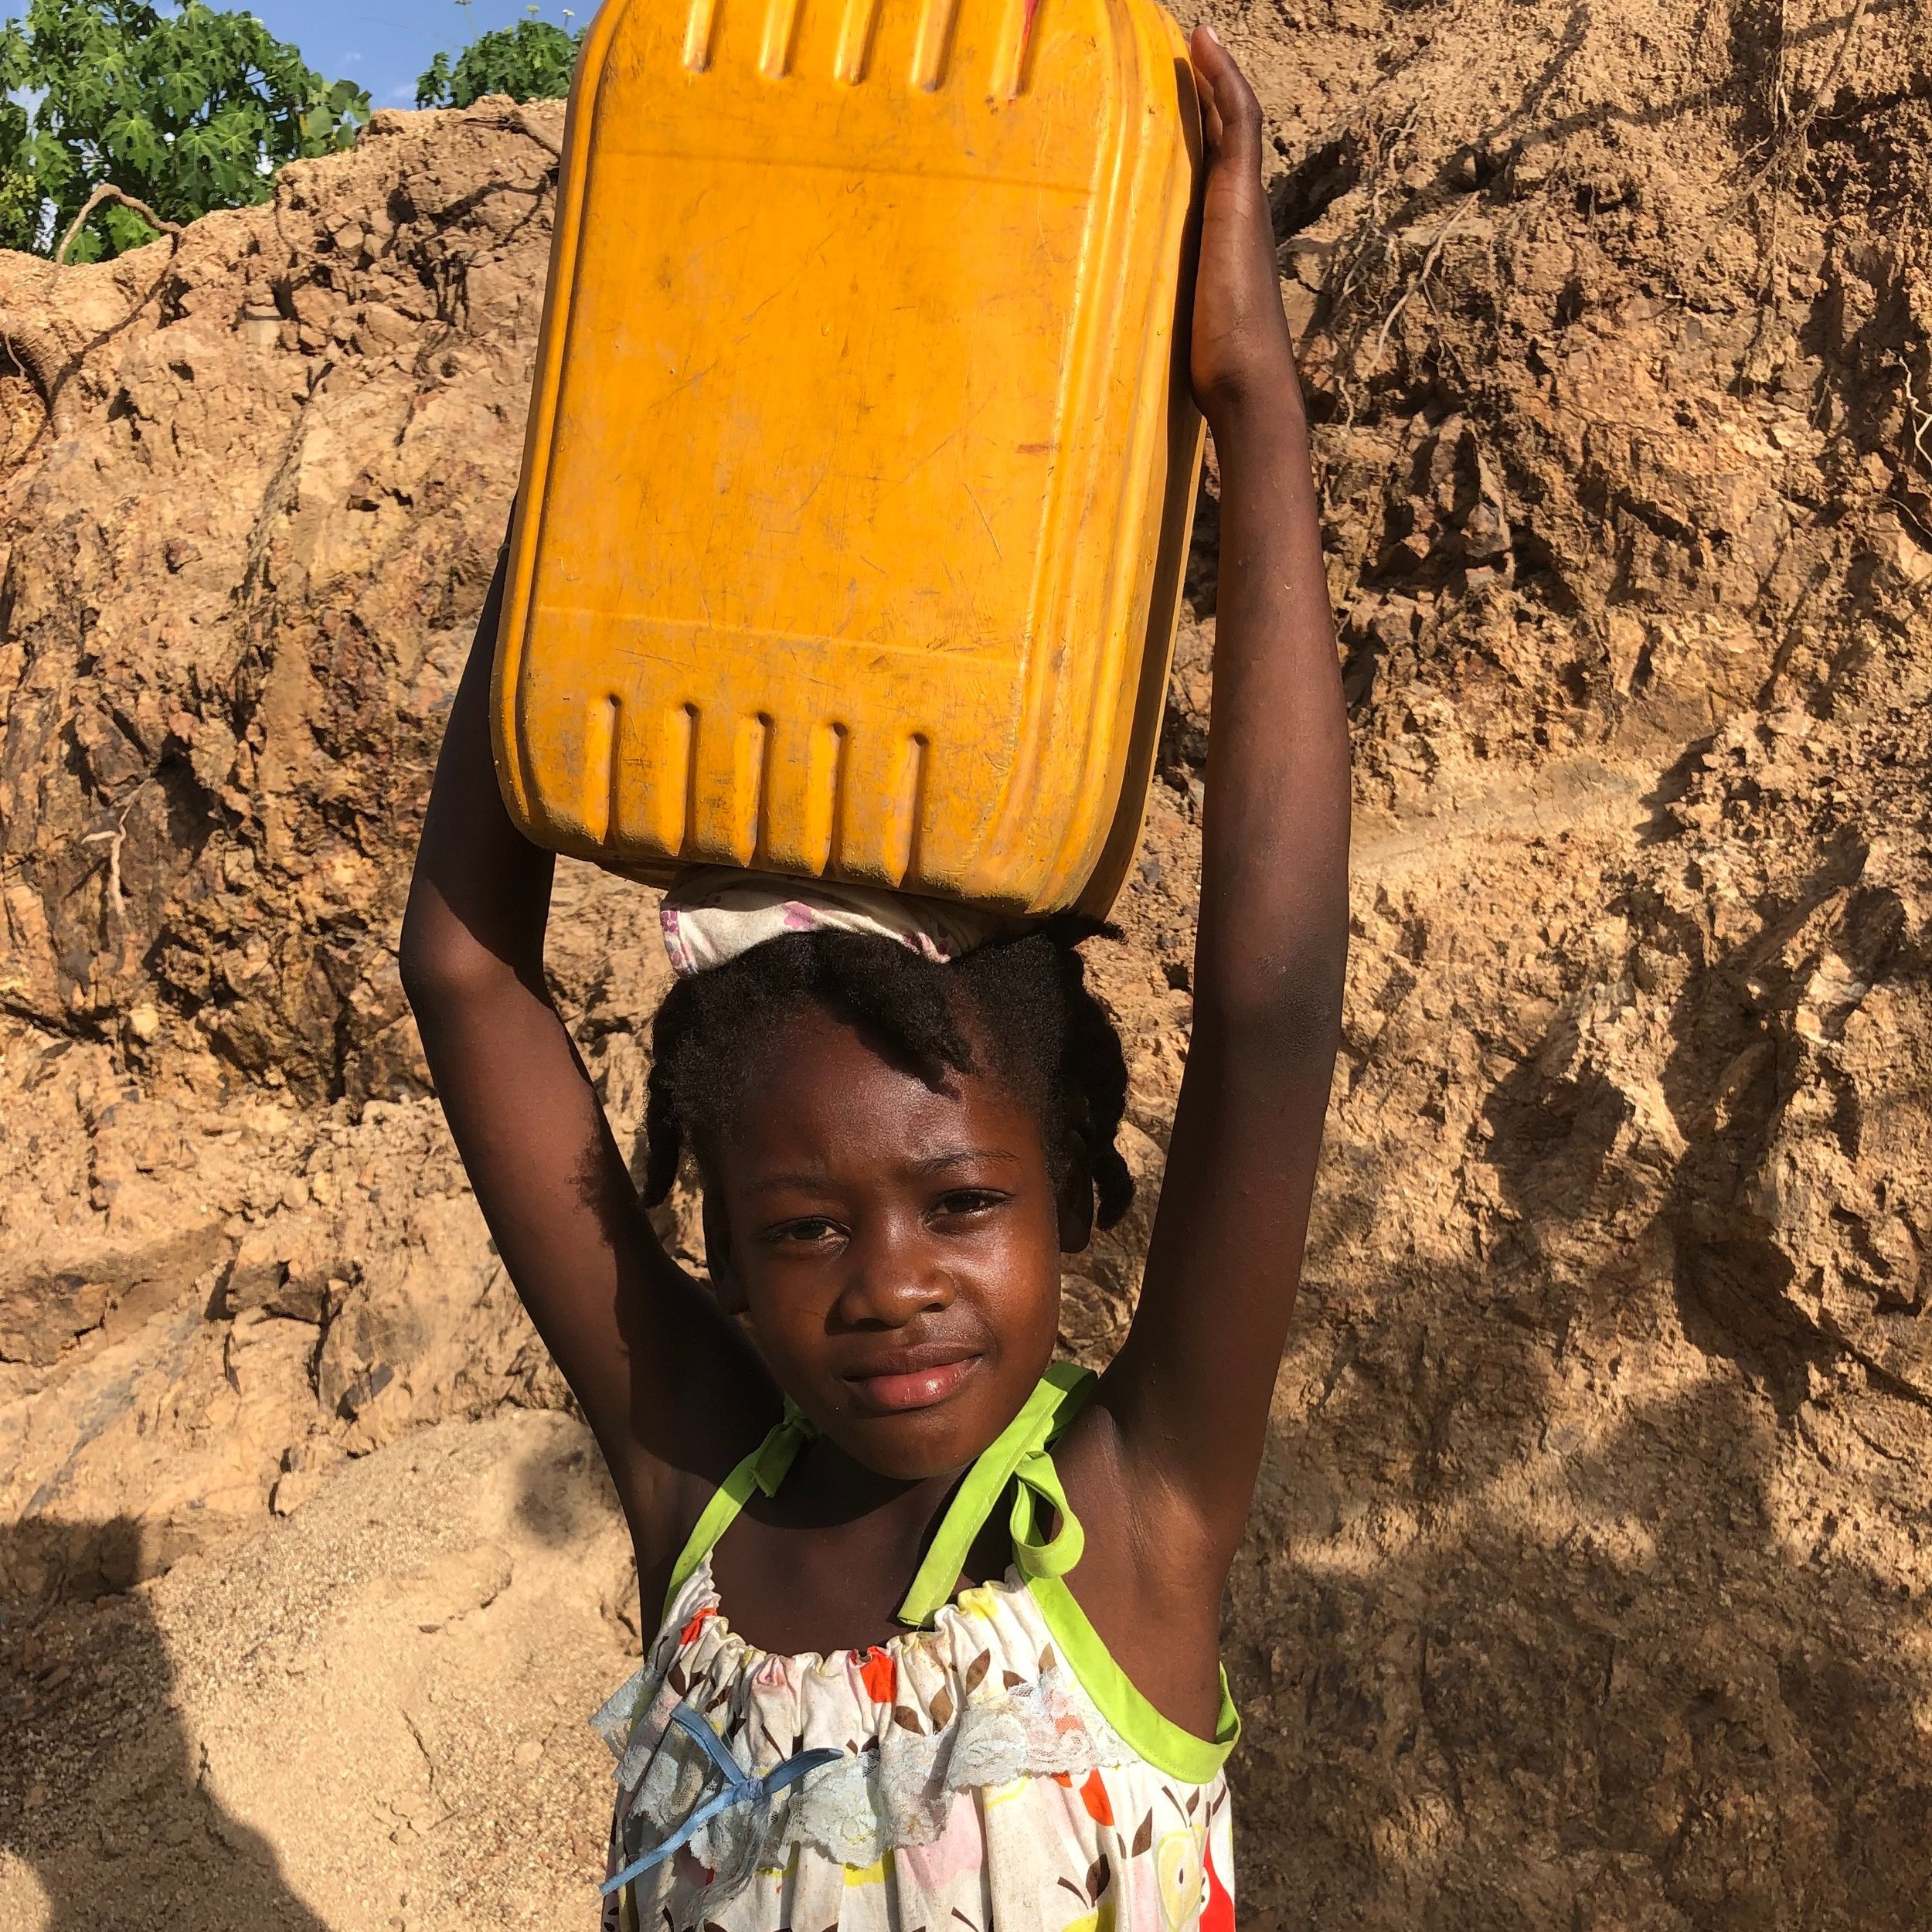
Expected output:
(383, 45)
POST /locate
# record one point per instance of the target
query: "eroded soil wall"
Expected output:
(1588, 1578)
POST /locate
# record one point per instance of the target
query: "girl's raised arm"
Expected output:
(1190, 1391)
(665, 1379)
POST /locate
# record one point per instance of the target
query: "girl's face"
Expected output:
(896, 1248)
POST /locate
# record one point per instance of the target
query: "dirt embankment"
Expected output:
(1588, 1579)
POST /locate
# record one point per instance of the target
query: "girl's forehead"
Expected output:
(827, 1091)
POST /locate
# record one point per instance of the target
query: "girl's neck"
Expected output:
(830, 1489)
(824, 1565)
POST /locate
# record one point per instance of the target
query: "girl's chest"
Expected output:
(963, 1773)
(791, 1587)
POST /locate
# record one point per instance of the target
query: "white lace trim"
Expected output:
(978, 1702)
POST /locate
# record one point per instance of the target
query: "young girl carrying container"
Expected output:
(938, 1616)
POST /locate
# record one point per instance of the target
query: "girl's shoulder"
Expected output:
(1141, 1601)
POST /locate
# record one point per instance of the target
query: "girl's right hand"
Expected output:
(673, 1390)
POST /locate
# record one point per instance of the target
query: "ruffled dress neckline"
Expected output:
(976, 1765)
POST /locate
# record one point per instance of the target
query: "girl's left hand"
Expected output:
(1161, 1465)
(1241, 353)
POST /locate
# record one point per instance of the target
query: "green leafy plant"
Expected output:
(20, 197)
(530, 61)
(187, 113)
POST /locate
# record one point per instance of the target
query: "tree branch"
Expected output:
(523, 121)
(107, 191)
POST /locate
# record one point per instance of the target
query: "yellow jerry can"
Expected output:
(861, 461)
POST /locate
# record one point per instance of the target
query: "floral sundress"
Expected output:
(993, 1769)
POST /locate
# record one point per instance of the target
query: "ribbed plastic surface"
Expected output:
(861, 461)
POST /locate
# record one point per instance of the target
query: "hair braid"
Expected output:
(1026, 998)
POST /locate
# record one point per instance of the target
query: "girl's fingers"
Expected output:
(1210, 125)
(1202, 48)
(1230, 115)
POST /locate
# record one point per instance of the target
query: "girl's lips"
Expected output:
(913, 1389)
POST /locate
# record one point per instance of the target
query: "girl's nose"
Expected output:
(893, 1277)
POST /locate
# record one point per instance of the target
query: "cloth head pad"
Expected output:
(713, 914)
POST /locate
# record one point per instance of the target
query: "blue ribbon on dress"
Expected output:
(740, 1788)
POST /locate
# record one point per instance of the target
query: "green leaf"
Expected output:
(433, 88)
(125, 229)
(186, 106)
(530, 61)
(87, 245)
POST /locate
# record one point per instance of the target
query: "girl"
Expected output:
(939, 1616)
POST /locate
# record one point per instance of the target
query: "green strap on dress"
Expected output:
(1019, 1459)
(764, 1468)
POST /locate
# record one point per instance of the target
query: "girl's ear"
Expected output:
(1075, 1199)
(725, 1283)
(1077, 1212)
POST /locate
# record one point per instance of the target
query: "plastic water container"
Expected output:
(861, 461)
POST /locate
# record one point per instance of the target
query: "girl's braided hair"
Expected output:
(1024, 1001)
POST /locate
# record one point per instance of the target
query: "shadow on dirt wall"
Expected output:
(1662, 1716)
(1642, 1709)
(1526, 1643)
(101, 1791)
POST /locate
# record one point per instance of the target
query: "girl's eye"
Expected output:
(813, 1230)
(967, 1200)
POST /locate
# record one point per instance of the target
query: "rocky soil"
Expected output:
(1588, 1581)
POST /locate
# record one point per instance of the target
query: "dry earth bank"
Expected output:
(1587, 1585)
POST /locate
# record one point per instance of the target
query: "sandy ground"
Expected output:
(372, 1714)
